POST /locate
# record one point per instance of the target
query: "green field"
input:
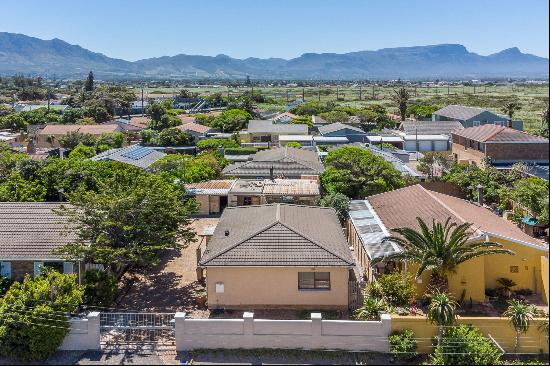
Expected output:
(533, 98)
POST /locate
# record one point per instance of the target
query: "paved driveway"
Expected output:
(167, 286)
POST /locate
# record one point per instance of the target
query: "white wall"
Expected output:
(290, 334)
(84, 334)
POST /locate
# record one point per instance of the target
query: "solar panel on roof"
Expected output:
(137, 153)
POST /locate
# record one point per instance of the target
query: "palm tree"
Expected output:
(441, 311)
(544, 122)
(401, 97)
(439, 249)
(507, 285)
(510, 108)
(520, 315)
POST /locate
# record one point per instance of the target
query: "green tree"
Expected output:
(17, 189)
(155, 111)
(544, 121)
(89, 83)
(33, 315)
(111, 139)
(358, 173)
(71, 115)
(129, 221)
(232, 120)
(401, 97)
(439, 249)
(430, 161)
(100, 288)
(334, 116)
(74, 138)
(302, 120)
(212, 144)
(82, 152)
(13, 122)
(510, 108)
(422, 111)
(520, 315)
(98, 111)
(339, 202)
(313, 108)
(165, 121)
(173, 136)
(294, 144)
(204, 119)
(442, 312)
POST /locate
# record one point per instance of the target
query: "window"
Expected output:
(56, 266)
(247, 201)
(514, 269)
(313, 280)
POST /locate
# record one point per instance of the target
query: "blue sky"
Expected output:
(135, 29)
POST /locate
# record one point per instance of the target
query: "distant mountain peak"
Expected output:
(29, 55)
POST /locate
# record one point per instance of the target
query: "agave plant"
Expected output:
(372, 309)
(520, 315)
(440, 249)
(442, 312)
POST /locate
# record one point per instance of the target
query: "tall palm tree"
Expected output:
(401, 97)
(441, 312)
(544, 122)
(439, 249)
(520, 315)
(510, 108)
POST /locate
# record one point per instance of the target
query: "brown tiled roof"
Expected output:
(139, 121)
(291, 187)
(278, 235)
(32, 231)
(401, 207)
(430, 127)
(211, 187)
(494, 133)
(195, 127)
(91, 129)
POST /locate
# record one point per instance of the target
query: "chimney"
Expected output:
(271, 172)
(479, 194)
(226, 232)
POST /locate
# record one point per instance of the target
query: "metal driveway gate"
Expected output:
(138, 331)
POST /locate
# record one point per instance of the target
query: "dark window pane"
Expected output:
(306, 280)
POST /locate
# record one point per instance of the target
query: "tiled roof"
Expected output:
(278, 235)
(494, 133)
(430, 127)
(286, 162)
(460, 112)
(195, 127)
(136, 155)
(291, 187)
(267, 126)
(91, 129)
(337, 126)
(401, 207)
(32, 231)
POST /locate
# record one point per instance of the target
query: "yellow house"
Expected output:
(278, 256)
(400, 208)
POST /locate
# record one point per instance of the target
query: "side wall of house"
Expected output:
(245, 287)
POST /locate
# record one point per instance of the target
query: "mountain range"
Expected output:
(32, 56)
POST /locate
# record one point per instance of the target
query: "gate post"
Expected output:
(179, 320)
(94, 331)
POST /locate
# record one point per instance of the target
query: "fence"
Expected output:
(499, 328)
(84, 334)
(253, 333)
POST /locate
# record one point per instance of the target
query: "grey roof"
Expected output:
(286, 162)
(370, 229)
(337, 126)
(267, 126)
(140, 156)
(430, 127)
(32, 231)
(278, 235)
(461, 112)
(398, 164)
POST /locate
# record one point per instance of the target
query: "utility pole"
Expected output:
(474, 88)
(49, 93)
(287, 94)
(415, 91)
(373, 92)
(337, 94)
(448, 89)
(303, 94)
(142, 104)
(228, 92)
(319, 94)
(359, 92)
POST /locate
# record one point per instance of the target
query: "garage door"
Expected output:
(441, 146)
(425, 146)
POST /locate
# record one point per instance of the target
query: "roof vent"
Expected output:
(226, 232)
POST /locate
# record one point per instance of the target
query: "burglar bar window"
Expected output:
(313, 280)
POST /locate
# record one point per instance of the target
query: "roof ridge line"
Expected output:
(313, 241)
(498, 131)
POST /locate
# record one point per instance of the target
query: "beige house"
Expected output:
(215, 195)
(278, 256)
(268, 131)
(50, 135)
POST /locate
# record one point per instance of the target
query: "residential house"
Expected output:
(215, 195)
(12, 139)
(197, 130)
(312, 140)
(429, 127)
(284, 117)
(136, 155)
(50, 135)
(30, 234)
(387, 138)
(278, 256)
(473, 116)
(352, 133)
(425, 143)
(373, 219)
(284, 162)
(267, 131)
(500, 146)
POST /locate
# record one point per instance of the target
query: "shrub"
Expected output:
(82, 152)
(339, 202)
(5, 284)
(294, 144)
(241, 151)
(211, 144)
(403, 344)
(397, 289)
(32, 324)
(465, 345)
(100, 288)
(372, 309)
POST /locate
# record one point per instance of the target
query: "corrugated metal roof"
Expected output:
(494, 133)
(370, 229)
(337, 126)
(211, 187)
(136, 155)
